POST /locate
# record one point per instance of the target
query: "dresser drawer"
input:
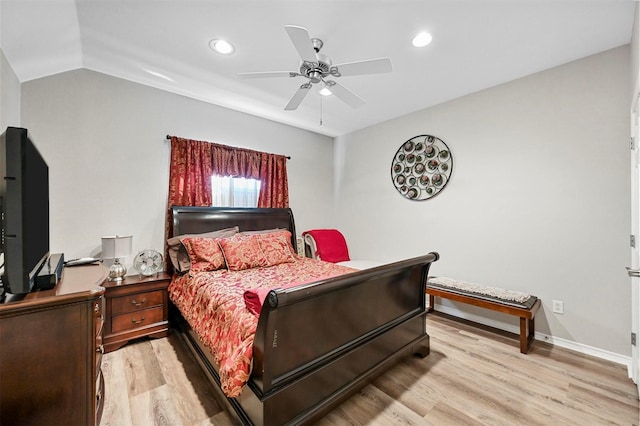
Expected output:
(99, 396)
(137, 319)
(136, 302)
(97, 308)
(98, 321)
(99, 352)
(99, 328)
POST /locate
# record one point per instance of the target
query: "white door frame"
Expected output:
(634, 271)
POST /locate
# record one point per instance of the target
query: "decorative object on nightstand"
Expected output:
(148, 262)
(116, 247)
(421, 167)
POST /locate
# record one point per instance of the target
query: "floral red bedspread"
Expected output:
(214, 306)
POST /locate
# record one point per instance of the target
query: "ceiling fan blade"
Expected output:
(345, 95)
(297, 97)
(370, 66)
(302, 42)
(267, 74)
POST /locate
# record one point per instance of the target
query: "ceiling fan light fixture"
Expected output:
(222, 46)
(324, 90)
(422, 39)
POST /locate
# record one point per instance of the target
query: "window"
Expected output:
(227, 191)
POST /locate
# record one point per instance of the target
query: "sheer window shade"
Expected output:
(227, 191)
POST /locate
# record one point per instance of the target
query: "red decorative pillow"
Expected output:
(242, 252)
(276, 247)
(178, 253)
(205, 254)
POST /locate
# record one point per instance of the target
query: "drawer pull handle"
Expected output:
(100, 349)
(133, 320)
(134, 302)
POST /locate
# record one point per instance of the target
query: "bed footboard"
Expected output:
(316, 345)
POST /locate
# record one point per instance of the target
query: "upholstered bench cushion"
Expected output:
(509, 298)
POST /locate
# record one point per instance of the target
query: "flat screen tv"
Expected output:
(24, 200)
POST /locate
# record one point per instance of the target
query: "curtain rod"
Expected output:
(169, 137)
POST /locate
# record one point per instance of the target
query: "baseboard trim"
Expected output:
(556, 341)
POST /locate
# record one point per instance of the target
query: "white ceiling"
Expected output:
(476, 45)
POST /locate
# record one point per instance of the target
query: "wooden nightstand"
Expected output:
(136, 307)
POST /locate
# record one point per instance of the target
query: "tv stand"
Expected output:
(51, 352)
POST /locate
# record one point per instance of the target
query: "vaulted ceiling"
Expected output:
(165, 44)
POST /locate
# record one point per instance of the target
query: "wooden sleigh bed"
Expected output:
(349, 328)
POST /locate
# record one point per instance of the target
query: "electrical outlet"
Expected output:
(558, 307)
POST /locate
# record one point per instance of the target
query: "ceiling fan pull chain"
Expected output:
(320, 111)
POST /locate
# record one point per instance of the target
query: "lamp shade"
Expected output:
(116, 247)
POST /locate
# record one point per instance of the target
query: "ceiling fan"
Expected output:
(318, 69)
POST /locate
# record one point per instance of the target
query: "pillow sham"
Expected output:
(263, 231)
(178, 254)
(242, 251)
(205, 254)
(277, 247)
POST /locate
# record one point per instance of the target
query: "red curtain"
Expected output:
(194, 162)
(190, 173)
(274, 190)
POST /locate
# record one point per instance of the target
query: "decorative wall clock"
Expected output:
(421, 167)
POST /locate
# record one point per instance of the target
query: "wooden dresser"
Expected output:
(51, 352)
(136, 307)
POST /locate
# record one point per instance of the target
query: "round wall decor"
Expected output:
(421, 167)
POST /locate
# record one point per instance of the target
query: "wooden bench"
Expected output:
(526, 312)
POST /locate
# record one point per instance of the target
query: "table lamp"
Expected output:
(116, 247)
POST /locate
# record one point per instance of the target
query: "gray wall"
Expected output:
(9, 95)
(538, 200)
(635, 51)
(104, 141)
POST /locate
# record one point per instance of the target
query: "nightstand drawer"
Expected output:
(137, 319)
(136, 302)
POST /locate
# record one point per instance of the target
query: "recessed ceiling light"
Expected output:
(221, 46)
(422, 39)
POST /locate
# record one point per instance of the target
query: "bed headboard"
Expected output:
(195, 220)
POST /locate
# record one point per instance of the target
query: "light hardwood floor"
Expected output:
(473, 376)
